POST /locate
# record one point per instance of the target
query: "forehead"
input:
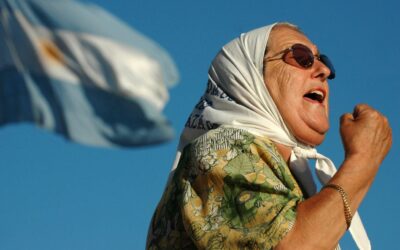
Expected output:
(283, 37)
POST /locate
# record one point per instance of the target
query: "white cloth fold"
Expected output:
(236, 96)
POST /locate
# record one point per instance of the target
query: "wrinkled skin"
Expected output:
(366, 137)
(307, 120)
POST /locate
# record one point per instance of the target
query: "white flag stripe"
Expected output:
(134, 73)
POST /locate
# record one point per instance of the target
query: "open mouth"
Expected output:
(315, 96)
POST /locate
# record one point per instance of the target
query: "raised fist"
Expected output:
(366, 134)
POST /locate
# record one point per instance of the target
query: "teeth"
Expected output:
(318, 92)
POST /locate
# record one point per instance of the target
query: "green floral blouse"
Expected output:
(231, 190)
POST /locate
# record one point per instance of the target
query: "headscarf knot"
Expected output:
(310, 153)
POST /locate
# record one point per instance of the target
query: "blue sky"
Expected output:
(58, 195)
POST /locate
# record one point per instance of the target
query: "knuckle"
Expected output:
(363, 106)
(344, 118)
(374, 114)
(385, 119)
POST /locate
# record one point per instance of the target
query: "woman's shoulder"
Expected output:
(225, 137)
(222, 136)
(228, 150)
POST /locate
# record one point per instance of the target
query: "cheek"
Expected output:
(289, 91)
(277, 82)
(285, 90)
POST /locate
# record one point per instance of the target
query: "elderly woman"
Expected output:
(241, 179)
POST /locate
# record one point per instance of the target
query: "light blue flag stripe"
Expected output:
(84, 112)
(105, 128)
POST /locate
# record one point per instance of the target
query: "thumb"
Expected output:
(345, 118)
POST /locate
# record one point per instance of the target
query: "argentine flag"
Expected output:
(74, 69)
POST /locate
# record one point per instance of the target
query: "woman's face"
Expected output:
(289, 85)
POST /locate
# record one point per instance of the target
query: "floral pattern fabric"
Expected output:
(231, 190)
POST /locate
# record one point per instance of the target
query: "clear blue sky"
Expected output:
(58, 195)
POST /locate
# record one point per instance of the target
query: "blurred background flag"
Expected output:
(74, 69)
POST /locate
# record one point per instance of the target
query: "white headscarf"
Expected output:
(236, 96)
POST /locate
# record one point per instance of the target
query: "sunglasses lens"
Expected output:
(303, 55)
(325, 60)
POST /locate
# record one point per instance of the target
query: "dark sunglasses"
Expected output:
(303, 58)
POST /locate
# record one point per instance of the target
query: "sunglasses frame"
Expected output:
(298, 46)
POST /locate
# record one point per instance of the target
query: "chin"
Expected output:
(316, 135)
(311, 139)
(308, 131)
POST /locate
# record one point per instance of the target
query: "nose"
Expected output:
(320, 70)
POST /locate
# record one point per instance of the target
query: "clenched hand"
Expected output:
(366, 135)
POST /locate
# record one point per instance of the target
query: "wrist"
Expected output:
(360, 161)
(346, 202)
(355, 175)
